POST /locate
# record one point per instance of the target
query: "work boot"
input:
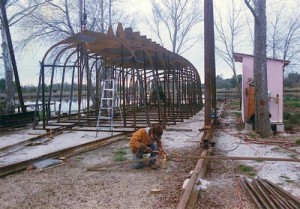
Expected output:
(138, 165)
(153, 166)
(138, 156)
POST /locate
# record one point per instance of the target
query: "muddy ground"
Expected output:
(72, 186)
(121, 187)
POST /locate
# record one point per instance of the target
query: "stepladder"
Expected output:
(109, 103)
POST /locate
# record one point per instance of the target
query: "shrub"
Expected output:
(120, 155)
(242, 168)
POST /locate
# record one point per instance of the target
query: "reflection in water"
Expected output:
(64, 105)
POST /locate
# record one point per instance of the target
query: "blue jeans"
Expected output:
(140, 153)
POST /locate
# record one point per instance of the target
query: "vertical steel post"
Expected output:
(173, 90)
(145, 89)
(43, 94)
(135, 101)
(180, 81)
(123, 84)
(72, 90)
(156, 77)
(89, 84)
(97, 84)
(165, 88)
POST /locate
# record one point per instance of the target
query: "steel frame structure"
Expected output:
(154, 84)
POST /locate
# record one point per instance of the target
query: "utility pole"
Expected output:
(12, 54)
(209, 62)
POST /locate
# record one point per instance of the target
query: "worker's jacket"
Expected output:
(141, 138)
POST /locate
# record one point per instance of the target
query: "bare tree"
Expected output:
(8, 53)
(178, 17)
(57, 20)
(105, 14)
(45, 22)
(9, 93)
(284, 34)
(229, 30)
(262, 120)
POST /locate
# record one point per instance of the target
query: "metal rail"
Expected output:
(33, 140)
(265, 194)
(274, 159)
(189, 197)
(22, 165)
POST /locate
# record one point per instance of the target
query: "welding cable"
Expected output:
(256, 151)
(175, 160)
(241, 139)
(261, 167)
(238, 144)
(172, 157)
(189, 135)
(258, 154)
(197, 151)
(234, 135)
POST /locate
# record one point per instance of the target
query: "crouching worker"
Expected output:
(144, 141)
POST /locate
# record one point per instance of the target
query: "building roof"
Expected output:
(238, 57)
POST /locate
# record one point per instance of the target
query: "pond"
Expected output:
(54, 105)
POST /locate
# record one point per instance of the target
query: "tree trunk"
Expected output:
(102, 15)
(110, 13)
(262, 119)
(9, 86)
(5, 29)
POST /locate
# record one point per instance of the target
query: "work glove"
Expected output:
(147, 150)
(141, 147)
(162, 153)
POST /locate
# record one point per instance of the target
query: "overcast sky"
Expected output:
(28, 62)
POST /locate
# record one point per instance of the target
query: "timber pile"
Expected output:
(265, 194)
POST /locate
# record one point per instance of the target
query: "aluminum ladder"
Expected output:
(107, 105)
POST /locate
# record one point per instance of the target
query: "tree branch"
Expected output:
(252, 10)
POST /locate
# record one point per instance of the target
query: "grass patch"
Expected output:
(291, 114)
(297, 142)
(292, 118)
(292, 102)
(245, 169)
(120, 155)
(288, 127)
(235, 104)
(252, 135)
(238, 114)
(275, 149)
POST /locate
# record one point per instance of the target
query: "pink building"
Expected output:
(275, 69)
